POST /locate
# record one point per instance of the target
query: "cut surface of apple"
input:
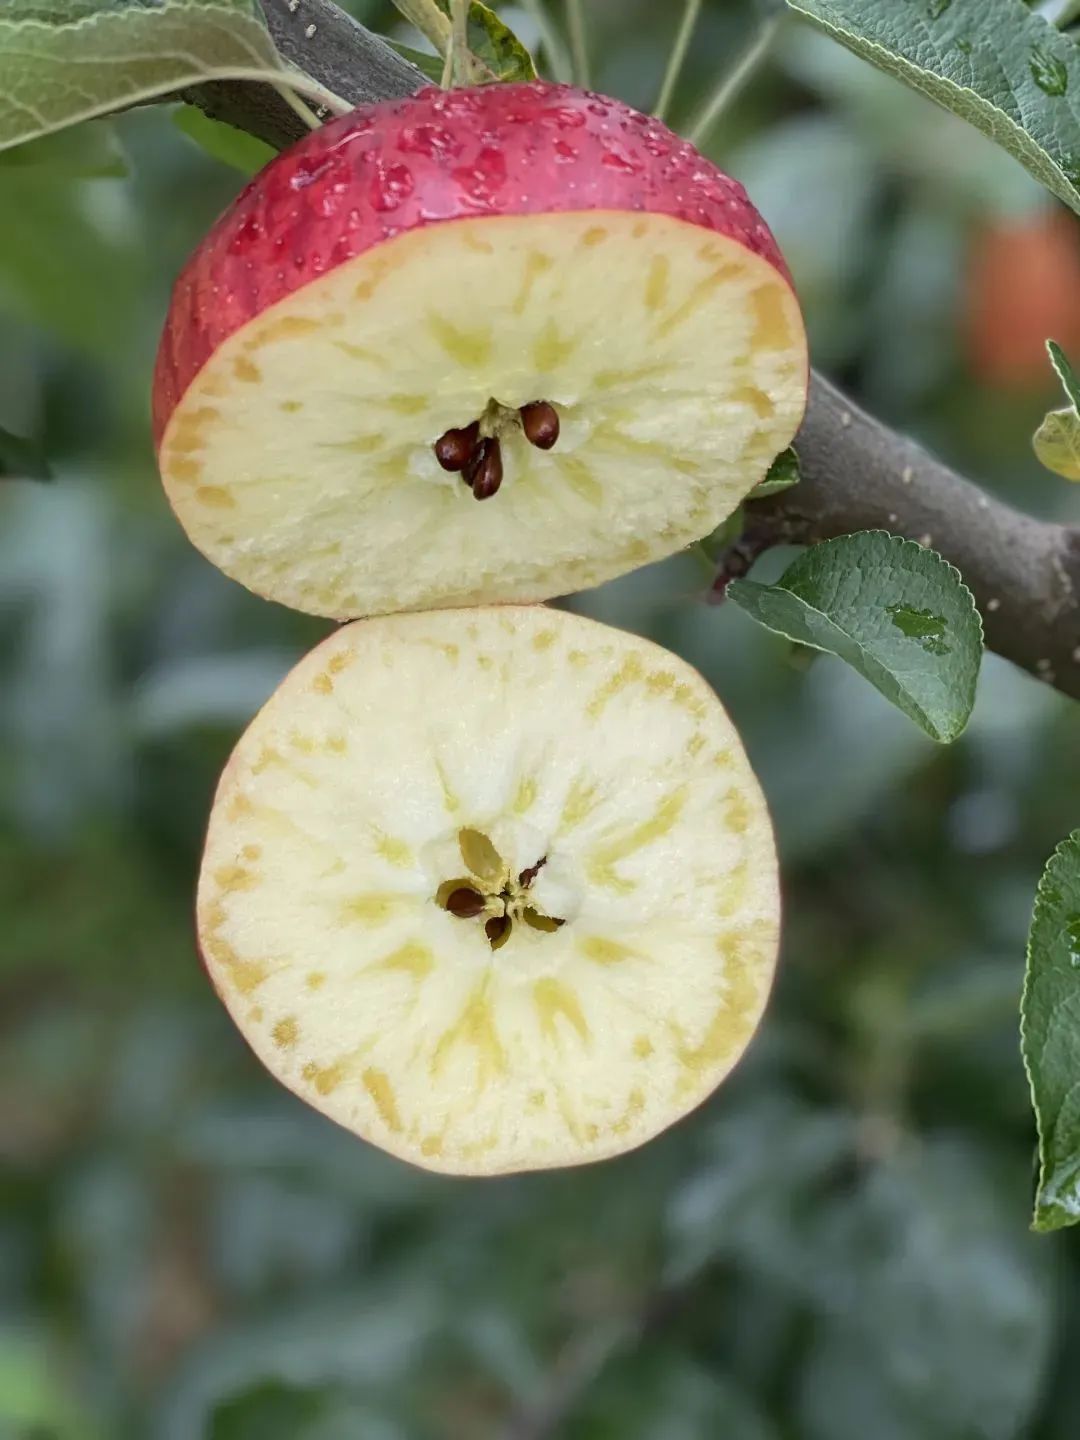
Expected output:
(441, 263)
(495, 889)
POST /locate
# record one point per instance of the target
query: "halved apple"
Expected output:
(527, 295)
(495, 889)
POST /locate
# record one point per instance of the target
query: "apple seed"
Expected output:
(455, 448)
(465, 902)
(526, 877)
(484, 471)
(540, 421)
(497, 930)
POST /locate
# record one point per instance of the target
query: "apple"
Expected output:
(495, 889)
(525, 295)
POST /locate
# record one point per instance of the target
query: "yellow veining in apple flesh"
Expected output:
(493, 888)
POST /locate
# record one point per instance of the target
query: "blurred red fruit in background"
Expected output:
(1023, 287)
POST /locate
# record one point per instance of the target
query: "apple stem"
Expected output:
(579, 49)
(678, 54)
(731, 83)
(456, 69)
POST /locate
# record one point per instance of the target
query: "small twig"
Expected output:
(677, 56)
(738, 559)
(579, 47)
(856, 474)
(558, 57)
(734, 80)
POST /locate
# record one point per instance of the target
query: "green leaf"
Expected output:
(1057, 440)
(1065, 373)
(1057, 443)
(84, 152)
(495, 52)
(1050, 1035)
(899, 614)
(992, 62)
(431, 19)
(783, 474)
(22, 459)
(428, 64)
(225, 143)
(269, 1411)
(59, 235)
(69, 60)
(495, 46)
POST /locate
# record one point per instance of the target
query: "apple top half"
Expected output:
(527, 295)
(439, 155)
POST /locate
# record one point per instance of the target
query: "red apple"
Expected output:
(540, 268)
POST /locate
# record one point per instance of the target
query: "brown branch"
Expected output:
(329, 45)
(857, 474)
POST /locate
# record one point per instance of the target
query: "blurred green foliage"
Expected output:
(836, 1245)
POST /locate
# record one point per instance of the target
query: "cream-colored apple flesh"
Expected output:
(300, 458)
(587, 790)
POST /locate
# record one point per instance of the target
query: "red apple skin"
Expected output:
(436, 156)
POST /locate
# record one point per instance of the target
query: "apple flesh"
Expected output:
(478, 258)
(495, 889)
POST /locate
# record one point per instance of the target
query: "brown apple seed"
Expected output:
(465, 903)
(455, 449)
(497, 930)
(484, 471)
(540, 421)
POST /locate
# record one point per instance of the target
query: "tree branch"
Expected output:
(321, 39)
(857, 474)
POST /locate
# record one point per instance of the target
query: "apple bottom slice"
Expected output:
(301, 458)
(495, 889)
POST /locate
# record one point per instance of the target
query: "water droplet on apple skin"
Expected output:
(615, 160)
(391, 185)
(248, 233)
(485, 176)
(432, 141)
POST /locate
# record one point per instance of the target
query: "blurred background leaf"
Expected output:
(223, 142)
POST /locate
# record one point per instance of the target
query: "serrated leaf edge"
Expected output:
(903, 68)
(260, 72)
(1064, 371)
(1041, 1221)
